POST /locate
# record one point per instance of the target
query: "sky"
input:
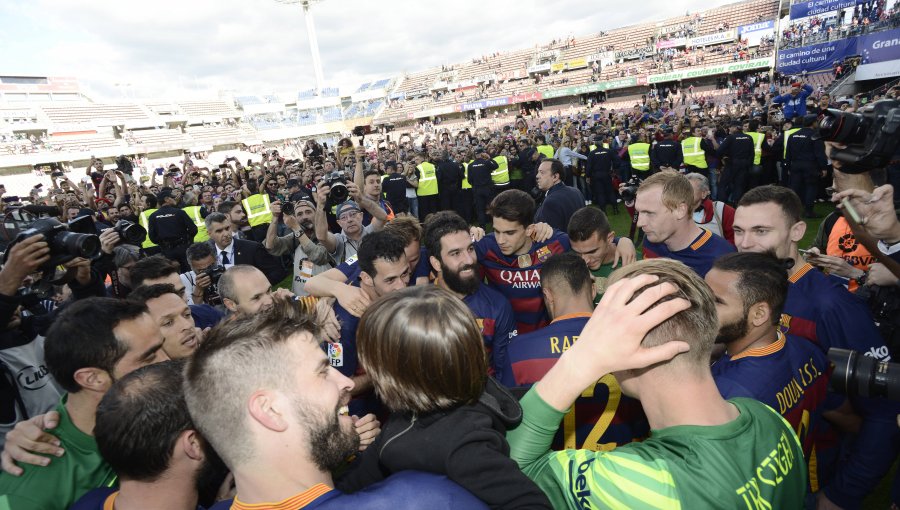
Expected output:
(171, 49)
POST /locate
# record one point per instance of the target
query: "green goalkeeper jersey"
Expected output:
(754, 462)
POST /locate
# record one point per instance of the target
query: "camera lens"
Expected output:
(76, 245)
(338, 193)
(842, 127)
(856, 374)
(287, 208)
(131, 232)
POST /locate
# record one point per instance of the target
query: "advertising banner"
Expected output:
(815, 7)
(716, 38)
(880, 54)
(671, 43)
(754, 33)
(816, 57)
(634, 53)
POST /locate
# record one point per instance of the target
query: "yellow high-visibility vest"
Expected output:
(144, 220)
(465, 180)
(693, 153)
(757, 145)
(428, 184)
(258, 209)
(500, 176)
(639, 154)
(194, 212)
(546, 150)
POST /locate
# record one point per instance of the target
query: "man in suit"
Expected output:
(560, 201)
(231, 251)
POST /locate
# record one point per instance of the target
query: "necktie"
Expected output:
(225, 261)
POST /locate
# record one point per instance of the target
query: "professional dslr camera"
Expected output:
(64, 244)
(211, 293)
(857, 374)
(130, 232)
(338, 193)
(870, 134)
(629, 192)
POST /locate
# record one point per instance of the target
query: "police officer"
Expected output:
(738, 148)
(172, 229)
(805, 160)
(600, 164)
(666, 154)
(750, 129)
(482, 185)
(449, 178)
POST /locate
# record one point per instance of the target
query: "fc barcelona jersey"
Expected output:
(602, 417)
(518, 277)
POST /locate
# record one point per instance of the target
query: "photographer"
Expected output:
(26, 388)
(344, 245)
(198, 282)
(308, 256)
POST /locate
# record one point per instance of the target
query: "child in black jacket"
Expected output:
(426, 357)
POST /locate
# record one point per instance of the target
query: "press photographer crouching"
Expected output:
(30, 299)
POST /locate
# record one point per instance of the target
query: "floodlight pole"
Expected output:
(313, 39)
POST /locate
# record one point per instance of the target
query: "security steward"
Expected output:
(171, 228)
(738, 148)
(694, 149)
(482, 185)
(638, 156)
(666, 154)
(806, 163)
(600, 164)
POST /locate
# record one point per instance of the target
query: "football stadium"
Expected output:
(340, 254)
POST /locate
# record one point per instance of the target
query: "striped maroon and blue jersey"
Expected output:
(791, 376)
(819, 309)
(602, 417)
(520, 284)
(494, 316)
(699, 256)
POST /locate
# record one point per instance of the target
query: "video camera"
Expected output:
(870, 134)
(338, 193)
(856, 374)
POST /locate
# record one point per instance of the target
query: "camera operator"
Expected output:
(115, 263)
(198, 282)
(26, 388)
(309, 257)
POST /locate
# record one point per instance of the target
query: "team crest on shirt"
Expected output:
(785, 323)
(480, 323)
(543, 253)
(524, 260)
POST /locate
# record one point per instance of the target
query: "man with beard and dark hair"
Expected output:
(787, 373)
(264, 394)
(309, 257)
(453, 259)
(144, 432)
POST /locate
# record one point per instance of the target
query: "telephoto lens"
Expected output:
(856, 374)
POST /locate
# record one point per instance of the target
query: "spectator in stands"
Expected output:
(794, 102)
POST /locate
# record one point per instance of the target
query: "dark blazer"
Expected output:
(559, 205)
(255, 254)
